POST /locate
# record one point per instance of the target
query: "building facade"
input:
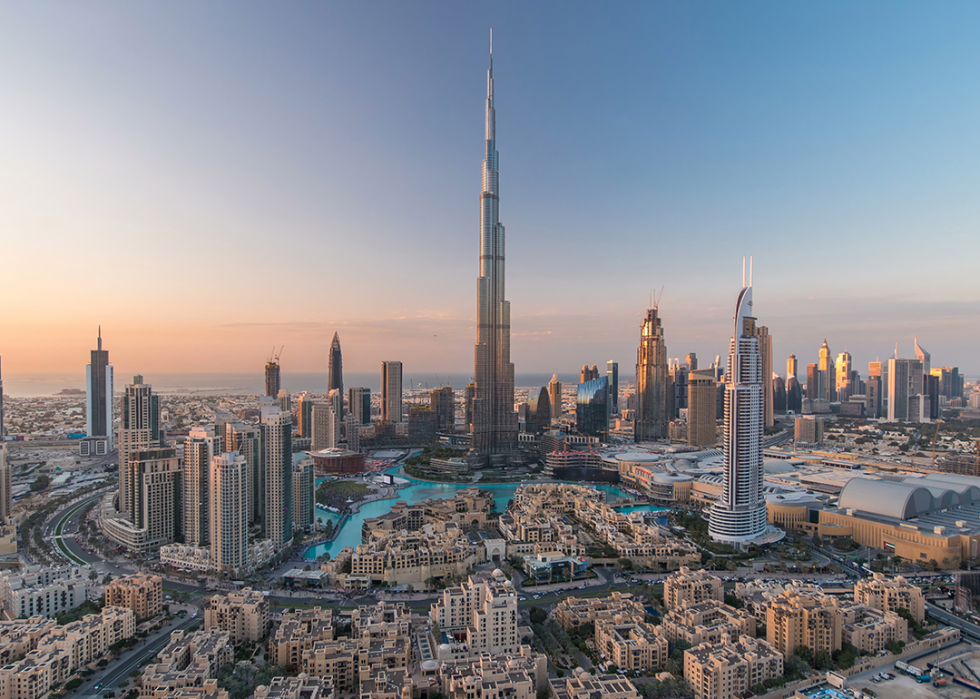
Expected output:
(652, 410)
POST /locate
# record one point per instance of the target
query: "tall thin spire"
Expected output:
(100, 337)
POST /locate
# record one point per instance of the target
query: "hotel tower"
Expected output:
(494, 419)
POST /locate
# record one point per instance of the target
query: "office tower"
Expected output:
(651, 381)
(538, 410)
(272, 384)
(98, 398)
(930, 387)
(359, 403)
(778, 395)
(304, 414)
(827, 381)
(592, 408)
(924, 358)
(2, 433)
(904, 382)
(494, 419)
(950, 381)
(872, 392)
(421, 425)
(794, 396)
(277, 433)
(391, 391)
(228, 492)
(155, 506)
(739, 514)
(443, 404)
(677, 389)
(554, 397)
(139, 431)
(353, 429)
(303, 495)
(326, 434)
(246, 439)
(842, 368)
(702, 398)
(284, 400)
(765, 352)
(468, 394)
(791, 368)
(335, 367)
(200, 447)
(612, 374)
(692, 361)
(588, 373)
(812, 382)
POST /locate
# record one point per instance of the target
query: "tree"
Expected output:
(626, 564)
(543, 693)
(93, 576)
(538, 615)
(804, 653)
(40, 483)
(822, 660)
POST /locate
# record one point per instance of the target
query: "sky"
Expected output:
(209, 180)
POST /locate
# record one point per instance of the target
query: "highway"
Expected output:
(966, 628)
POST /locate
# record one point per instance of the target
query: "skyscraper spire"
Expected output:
(494, 419)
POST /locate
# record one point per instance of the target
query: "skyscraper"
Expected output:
(443, 404)
(2, 433)
(554, 397)
(277, 430)
(494, 419)
(304, 414)
(651, 381)
(98, 398)
(827, 381)
(228, 493)
(842, 368)
(924, 357)
(468, 394)
(304, 479)
(335, 369)
(326, 433)
(200, 447)
(359, 404)
(904, 382)
(391, 391)
(272, 384)
(612, 374)
(538, 410)
(139, 431)
(702, 398)
(246, 439)
(739, 515)
(155, 506)
(592, 408)
(692, 361)
(765, 352)
(791, 368)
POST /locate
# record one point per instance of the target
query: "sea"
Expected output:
(31, 385)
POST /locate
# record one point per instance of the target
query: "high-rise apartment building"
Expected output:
(443, 404)
(229, 496)
(353, 430)
(98, 399)
(359, 404)
(554, 397)
(792, 367)
(391, 391)
(612, 375)
(739, 515)
(326, 431)
(272, 382)
(200, 447)
(6, 485)
(246, 439)
(765, 354)
(138, 431)
(304, 415)
(335, 369)
(303, 495)
(285, 401)
(494, 419)
(155, 508)
(702, 398)
(483, 611)
(2, 432)
(277, 430)
(651, 381)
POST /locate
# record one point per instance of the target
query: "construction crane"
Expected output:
(274, 356)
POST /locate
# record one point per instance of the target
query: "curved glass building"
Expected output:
(538, 410)
(592, 408)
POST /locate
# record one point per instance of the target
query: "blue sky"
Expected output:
(207, 180)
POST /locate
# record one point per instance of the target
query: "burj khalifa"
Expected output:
(494, 419)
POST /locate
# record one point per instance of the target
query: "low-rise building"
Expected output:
(631, 646)
(186, 556)
(243, 614)
(479, 616)
(573, 612)
(869, 629)
(582, 685)
(40, 591)
(706, 622)
(141, 593)
(298, 632)
(188, 661)
(300, 687)
(510, 676)
(692, 586)
(889, 594)
(804, 617)
(728, 669)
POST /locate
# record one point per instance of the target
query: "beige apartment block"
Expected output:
(35, 675)
(348, 661)
(869, 629)
(243, 614)
(186, 663)
(141, 593)
(891, 594)
(706, 622)
(631, 646)
(509, 675)
(573, 612)
(804, 617)
(582, 685)
(208, 690)
(298, 632)
(21, 636)
(300, 687)
(692, 586)
(381, 620)
(481, 614)
(728, 670)
(90, 638)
